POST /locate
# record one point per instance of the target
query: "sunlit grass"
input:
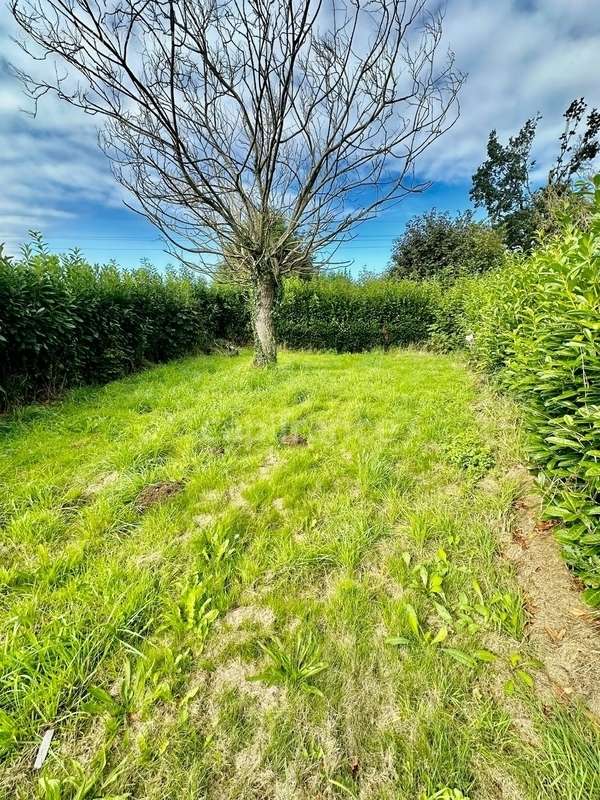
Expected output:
(202, 611)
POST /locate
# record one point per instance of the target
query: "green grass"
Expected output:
(330, 620)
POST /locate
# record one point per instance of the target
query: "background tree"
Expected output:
(577, 148)
(436, 244)
(501, 184)
(225, 116)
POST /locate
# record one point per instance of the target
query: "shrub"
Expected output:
(537, 325)
(458, 305)
(64, 322)
(437, 245)
(341, 315)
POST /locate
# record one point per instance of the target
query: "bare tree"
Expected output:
(225, 117)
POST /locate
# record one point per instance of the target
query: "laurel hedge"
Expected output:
(536, 324)
(64, 322)
(346, 316)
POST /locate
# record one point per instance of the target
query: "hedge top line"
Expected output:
(64, 322)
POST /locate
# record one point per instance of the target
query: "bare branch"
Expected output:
(223, 116)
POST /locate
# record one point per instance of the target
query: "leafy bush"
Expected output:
(537, 323)
(341, 315)
(437, 245)
(459, 303)
(64, 322)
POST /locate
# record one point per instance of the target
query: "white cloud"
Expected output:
(522, 57)
(50, 164)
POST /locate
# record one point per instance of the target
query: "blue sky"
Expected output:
(521, 57)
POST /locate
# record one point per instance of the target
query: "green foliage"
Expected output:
(230, 314)
(141, 686)
(459, 304)
(502, 183)
(501, 186)
(437, 245)
(295, 663)
(83, 782)
(414, 632)
(448, 794)
(468, 453)
(341, 315)
(64, 322)
(579, 143)
(537, 324)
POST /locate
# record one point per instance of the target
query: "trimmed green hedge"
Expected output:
(536, 323)
(65, 323)
(339, 314)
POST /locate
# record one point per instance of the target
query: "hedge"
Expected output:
(536, 324)
(339, 314)
(65, 323)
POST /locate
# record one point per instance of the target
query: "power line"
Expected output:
(141, 240)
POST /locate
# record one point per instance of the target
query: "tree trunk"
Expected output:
(265, 343)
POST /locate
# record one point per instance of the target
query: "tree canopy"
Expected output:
(437, 244)
(219, 114)
(502, 183)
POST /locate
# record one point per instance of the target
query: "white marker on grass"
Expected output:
(43, 748)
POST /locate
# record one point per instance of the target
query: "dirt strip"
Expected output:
(564, 631)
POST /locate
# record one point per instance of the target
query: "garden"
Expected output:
(272, 526)
(330, 577)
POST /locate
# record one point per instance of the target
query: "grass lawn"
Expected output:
(218, 582)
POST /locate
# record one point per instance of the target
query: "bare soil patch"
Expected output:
(156, 493)
(253, 615)
(563, 629)
(236, 675)
(294, 440)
